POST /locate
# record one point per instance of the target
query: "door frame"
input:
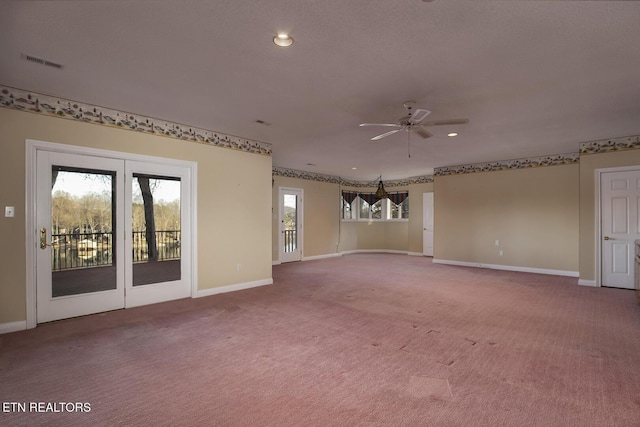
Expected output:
(299, 222)
(31, 228)
(598, 215)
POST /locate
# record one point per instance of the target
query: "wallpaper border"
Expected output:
(611, 144)
(33, 102)
(293, 173)
(524, 163)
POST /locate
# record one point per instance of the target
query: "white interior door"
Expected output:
(110, 233)
(427, 224)
(291, 214)
(80, 255)
(620, 226)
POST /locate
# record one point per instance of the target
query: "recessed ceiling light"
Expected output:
(354, 168)
(452, 134)
(283, 40)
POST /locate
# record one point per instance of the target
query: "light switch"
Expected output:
(9, 211)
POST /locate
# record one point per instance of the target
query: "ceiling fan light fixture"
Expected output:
(283, 40)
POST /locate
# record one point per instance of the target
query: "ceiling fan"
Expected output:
(413, 122)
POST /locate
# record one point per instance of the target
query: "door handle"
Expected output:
(43, 238)
(607, 238)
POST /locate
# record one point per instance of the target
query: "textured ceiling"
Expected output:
(533, 77)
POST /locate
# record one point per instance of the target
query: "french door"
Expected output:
(291, 214)
(111, 233)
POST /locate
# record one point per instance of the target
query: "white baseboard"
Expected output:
(311, 258)
(379, 251)
(232, 288)
(8, 327)
(584, 282)
(418, 254)
(509, 268)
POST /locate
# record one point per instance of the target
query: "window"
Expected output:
(398, 205)
(349, 205)
(365, 207)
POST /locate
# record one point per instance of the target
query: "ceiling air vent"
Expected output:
(41, 61)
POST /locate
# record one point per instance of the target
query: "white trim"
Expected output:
(277, 262)
(232, 288)
(311, 258)
(583, 282)
(509, 268)
(194, 228)
(384, 251)
(598, 217)
(6, 328)
(31, 148)
(418, 254)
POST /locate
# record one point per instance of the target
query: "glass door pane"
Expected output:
(82, 223)
(290, 222)
(156, 229)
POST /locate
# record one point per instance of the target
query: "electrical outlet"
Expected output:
(497, 242)
(501, 253)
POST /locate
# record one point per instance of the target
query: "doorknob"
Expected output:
(43, 238)
(606, 237)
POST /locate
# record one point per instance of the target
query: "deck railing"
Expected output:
(85, 250)
(290, 242)
(167, 243)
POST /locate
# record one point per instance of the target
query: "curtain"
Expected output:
(349, 196)
(368, 197)
(398, 197)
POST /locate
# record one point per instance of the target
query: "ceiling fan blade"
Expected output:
(375, 138)
(446, 122)
(419, 115)
(379, 124)
(422, 132)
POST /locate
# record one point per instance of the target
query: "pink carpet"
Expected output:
(359, 340)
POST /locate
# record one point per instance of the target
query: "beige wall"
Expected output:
(348, 236)
(532, 212)
(321, 207)
(588, 165)
(543, 217)
(234, 188)
(325, 234)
